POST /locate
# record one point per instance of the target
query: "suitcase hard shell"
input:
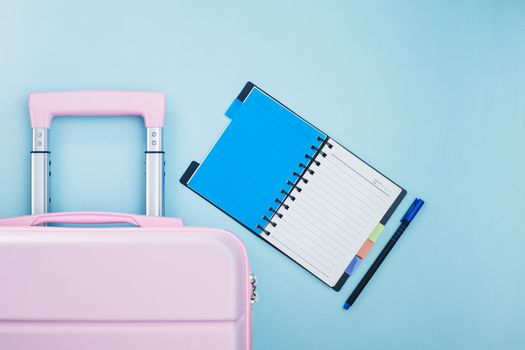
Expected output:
(158, 285)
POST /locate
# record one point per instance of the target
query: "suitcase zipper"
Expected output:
(253, 282)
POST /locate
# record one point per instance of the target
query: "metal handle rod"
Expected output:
(40, 173)
(154, 173)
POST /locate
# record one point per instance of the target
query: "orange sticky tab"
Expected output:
(365, 248)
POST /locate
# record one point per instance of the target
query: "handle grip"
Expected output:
(44, 106)
(92, 218)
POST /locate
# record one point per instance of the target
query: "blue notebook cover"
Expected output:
(263, 156)
(248, 169)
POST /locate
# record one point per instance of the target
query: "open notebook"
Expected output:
(295, 187)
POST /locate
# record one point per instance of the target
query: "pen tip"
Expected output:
(346, 306)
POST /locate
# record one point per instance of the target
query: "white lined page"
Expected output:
(333, 214)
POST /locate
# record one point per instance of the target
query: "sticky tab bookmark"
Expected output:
(376, 233)
(232, 110)
(365, 248)
(353, 265)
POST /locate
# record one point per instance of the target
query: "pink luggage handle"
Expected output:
(44, 106)
(92, 218)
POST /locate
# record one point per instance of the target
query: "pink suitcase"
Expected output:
(158, 285)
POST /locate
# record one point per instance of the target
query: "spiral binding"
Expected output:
(265, 218)
(285, 206)
(290, 183)
(310, 171)
(288, 194)
(295, 173)
(323, 154)
(325, 141)
(263, 230)
(275, 212)
(293, 185)
(316, 162)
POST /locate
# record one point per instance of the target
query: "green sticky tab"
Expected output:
(376, 233)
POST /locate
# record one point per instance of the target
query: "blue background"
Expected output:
(430, 92)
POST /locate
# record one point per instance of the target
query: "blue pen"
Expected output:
(405, 221)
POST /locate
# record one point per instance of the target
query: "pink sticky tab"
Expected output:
(365, 248)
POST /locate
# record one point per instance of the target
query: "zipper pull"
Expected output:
(253, 282)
